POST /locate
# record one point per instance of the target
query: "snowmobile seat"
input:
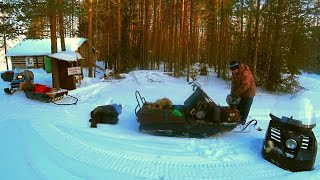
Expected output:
(7, 76)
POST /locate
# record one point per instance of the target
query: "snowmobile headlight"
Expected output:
(291, 143)
(19, 77)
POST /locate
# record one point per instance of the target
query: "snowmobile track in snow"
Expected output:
(66, 142)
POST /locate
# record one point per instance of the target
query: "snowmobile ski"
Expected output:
(247, 127)
(9, 90)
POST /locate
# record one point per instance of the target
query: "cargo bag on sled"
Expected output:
(46, 94)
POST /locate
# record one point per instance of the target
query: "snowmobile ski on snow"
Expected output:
(199, 116)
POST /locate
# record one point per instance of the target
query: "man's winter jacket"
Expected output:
(243, 83)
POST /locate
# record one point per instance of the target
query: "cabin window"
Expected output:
(29, 61)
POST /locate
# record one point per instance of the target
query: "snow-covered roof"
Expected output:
(66, 55)
(42, 47)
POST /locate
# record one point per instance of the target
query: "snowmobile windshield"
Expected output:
(300, 111)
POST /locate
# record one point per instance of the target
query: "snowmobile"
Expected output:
(289, 141)
(19, 78)
(199, 116)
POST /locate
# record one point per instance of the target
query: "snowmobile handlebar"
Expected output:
(139, 99)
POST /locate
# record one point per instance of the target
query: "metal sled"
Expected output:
(49, 95)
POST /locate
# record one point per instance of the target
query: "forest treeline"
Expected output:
(277, 38)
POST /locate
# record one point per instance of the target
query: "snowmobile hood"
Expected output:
(299, 113)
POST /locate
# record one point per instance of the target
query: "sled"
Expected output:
(199, 116)
(49, 95)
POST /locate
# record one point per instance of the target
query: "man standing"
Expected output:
(244, 86)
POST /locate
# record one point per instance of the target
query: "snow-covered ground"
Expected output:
(47, 141)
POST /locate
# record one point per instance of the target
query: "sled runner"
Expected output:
(199, 116)
(46, 94)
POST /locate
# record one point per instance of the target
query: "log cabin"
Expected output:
(33, 53)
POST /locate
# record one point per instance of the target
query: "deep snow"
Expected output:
(46, 141)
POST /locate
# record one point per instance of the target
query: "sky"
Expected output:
(47, 141)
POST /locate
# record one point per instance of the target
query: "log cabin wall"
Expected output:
(21, 62)
(84, 51)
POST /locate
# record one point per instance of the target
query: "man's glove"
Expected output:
(233, 100)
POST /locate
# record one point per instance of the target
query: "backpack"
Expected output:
(107, 114)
